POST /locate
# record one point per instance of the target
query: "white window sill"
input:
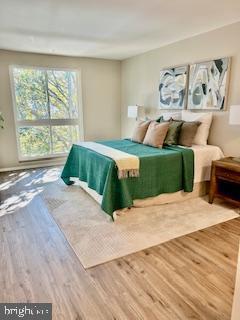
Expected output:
(43, 158)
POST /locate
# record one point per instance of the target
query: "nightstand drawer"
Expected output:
(227, 174)
(225, 180)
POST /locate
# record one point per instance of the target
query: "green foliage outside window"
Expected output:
(42, 98)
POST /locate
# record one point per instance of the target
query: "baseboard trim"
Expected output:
(32, 166)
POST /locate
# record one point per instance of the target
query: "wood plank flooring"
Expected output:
(191, 277)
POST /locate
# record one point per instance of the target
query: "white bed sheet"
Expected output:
(203, 157)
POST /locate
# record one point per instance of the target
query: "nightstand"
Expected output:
(225, 180)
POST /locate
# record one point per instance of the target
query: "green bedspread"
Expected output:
(161, 171)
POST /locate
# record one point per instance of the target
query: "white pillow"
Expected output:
(203, 130)
(177, 115)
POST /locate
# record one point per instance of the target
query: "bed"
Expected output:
(162, 171)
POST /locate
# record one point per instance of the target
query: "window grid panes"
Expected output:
(46, 111)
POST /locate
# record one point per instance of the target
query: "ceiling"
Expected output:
(114, 29)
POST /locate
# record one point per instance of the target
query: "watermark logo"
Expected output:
(26, 311)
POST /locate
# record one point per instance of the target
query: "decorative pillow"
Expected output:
(156, 134)
(140, 131)
(173, 132)
(160, 119)
(203, 130)
(188, 133)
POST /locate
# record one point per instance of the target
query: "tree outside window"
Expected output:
(46, 111)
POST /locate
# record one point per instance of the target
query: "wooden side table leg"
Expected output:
(213, 184)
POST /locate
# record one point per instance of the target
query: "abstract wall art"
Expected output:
(208, 84)
(173, 87)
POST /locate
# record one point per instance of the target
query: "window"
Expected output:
(46, 111)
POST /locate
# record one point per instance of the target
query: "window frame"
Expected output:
(46, 122)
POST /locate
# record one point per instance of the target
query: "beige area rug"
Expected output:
(96, 239)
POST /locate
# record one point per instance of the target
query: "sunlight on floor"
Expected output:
(6, 185)
(34, 182)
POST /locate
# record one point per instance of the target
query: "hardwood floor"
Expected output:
(191, 277)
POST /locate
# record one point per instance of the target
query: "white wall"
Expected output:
(105, 83)
(140, 79)
(101, 82)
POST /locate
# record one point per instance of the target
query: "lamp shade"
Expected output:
(234, 115)
(132, 112)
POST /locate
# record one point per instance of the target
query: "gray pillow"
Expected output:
(188, 133)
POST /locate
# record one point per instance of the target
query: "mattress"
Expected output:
(162, 171)
(203, 157)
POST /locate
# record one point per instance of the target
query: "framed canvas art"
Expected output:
(173, 87)
(208, 84)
